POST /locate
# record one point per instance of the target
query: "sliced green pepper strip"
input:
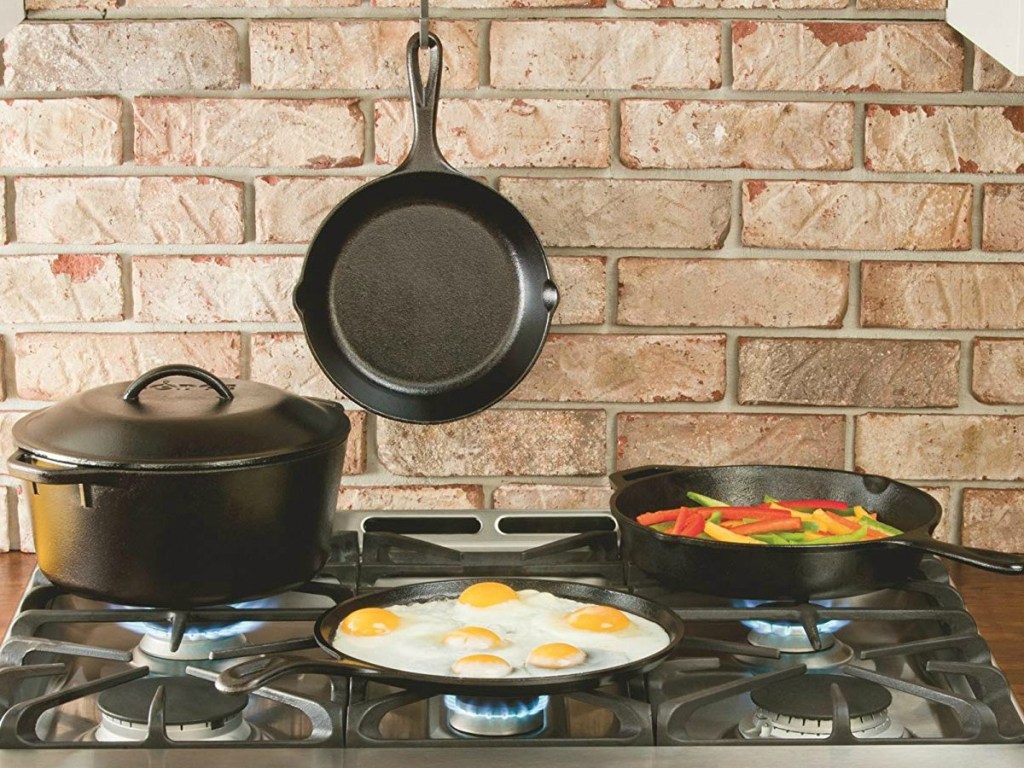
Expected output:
(664, 527)
(880, 526)
(845, 538)
(791, 537)
(704, 501)
(704, 536)
(770, 538)
(810, 525)
(716, 518)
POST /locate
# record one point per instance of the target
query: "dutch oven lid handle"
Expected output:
(131, 394)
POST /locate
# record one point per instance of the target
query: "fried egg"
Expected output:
(532, 633)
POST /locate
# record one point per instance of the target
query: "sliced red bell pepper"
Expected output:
(694, 526)
(681, 520)
(769, 526)
(758, 513)
(813, 503)
(661, 516)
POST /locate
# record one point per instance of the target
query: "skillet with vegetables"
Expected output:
(831, 549)
(773, 521)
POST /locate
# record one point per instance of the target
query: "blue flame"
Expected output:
(497, 709)
(784, 628)
(204, 631)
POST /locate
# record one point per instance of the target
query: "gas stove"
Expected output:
(890, 675)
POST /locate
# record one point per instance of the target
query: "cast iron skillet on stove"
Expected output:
(425, 295)
(257, 672)
(776, 572)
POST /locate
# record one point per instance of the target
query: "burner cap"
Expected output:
(809, 696)
(188, 700)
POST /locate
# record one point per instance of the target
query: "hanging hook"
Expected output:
(424, 23)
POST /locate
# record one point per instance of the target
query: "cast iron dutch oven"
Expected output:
(257, 672)
(770, 572)
(180, 489)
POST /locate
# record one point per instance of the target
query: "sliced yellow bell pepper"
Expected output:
(826, 523)
(719, 533)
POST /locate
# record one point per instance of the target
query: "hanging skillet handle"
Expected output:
(131, 394)
(626, 477)
(255, 673)
(424, 154)
(990, 560)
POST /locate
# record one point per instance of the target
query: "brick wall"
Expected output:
(785, 230)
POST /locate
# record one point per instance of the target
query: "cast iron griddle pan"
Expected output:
(425, 295)
(254, 673)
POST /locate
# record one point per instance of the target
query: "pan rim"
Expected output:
(454, 684)
(913, 534)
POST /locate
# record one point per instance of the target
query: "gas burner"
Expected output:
(803, 708)
(193, 711)
(496, 717)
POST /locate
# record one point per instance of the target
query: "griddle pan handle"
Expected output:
(630, 476)
(424, 154)
(255, 673)
(999, 562)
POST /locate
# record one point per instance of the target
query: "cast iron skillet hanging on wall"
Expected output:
(425, 295)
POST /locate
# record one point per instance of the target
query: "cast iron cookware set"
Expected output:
(425, 297)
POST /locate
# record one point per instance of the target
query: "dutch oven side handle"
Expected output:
(131, 395)
(21, 467)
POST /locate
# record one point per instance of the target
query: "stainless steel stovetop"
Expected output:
(894, 675)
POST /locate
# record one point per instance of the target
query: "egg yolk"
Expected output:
(598, 618)
(486, 594)
(472, 639)
(556, 656)
(369, 621)
(481, 665)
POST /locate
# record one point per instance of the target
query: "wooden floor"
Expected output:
(996, 602)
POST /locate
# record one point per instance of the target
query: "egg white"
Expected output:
(535, 619)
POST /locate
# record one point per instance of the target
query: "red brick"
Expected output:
(3, 383)
(915, 5)
(992, 519)
(707, 439)
(291, 209)
(284, 360)
(492, 4)
(542, 496)
(941, 295)
(623, 54)
(581, 289)
(778, 293)
(497, 442)
(1002, 217)
(355, 446)
(990, 75)
(52, 366)
(846, 56)
(940, 447)
(624, 213)
(739, 4)
(949, 139)
(627, 369)
(154, 209)
(56, 289)
(100, 5)
(411, 497)
(878, 373)
(856, 216)
(998, 372)
(299, 133)
(348, 54)
(60, 132)
(3, 212)
(747, 134)
(533, 133)
(121, 56)
(215, 289)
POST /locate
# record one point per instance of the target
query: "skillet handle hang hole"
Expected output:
(424, 153)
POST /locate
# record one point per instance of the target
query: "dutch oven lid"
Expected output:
(181, 416)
